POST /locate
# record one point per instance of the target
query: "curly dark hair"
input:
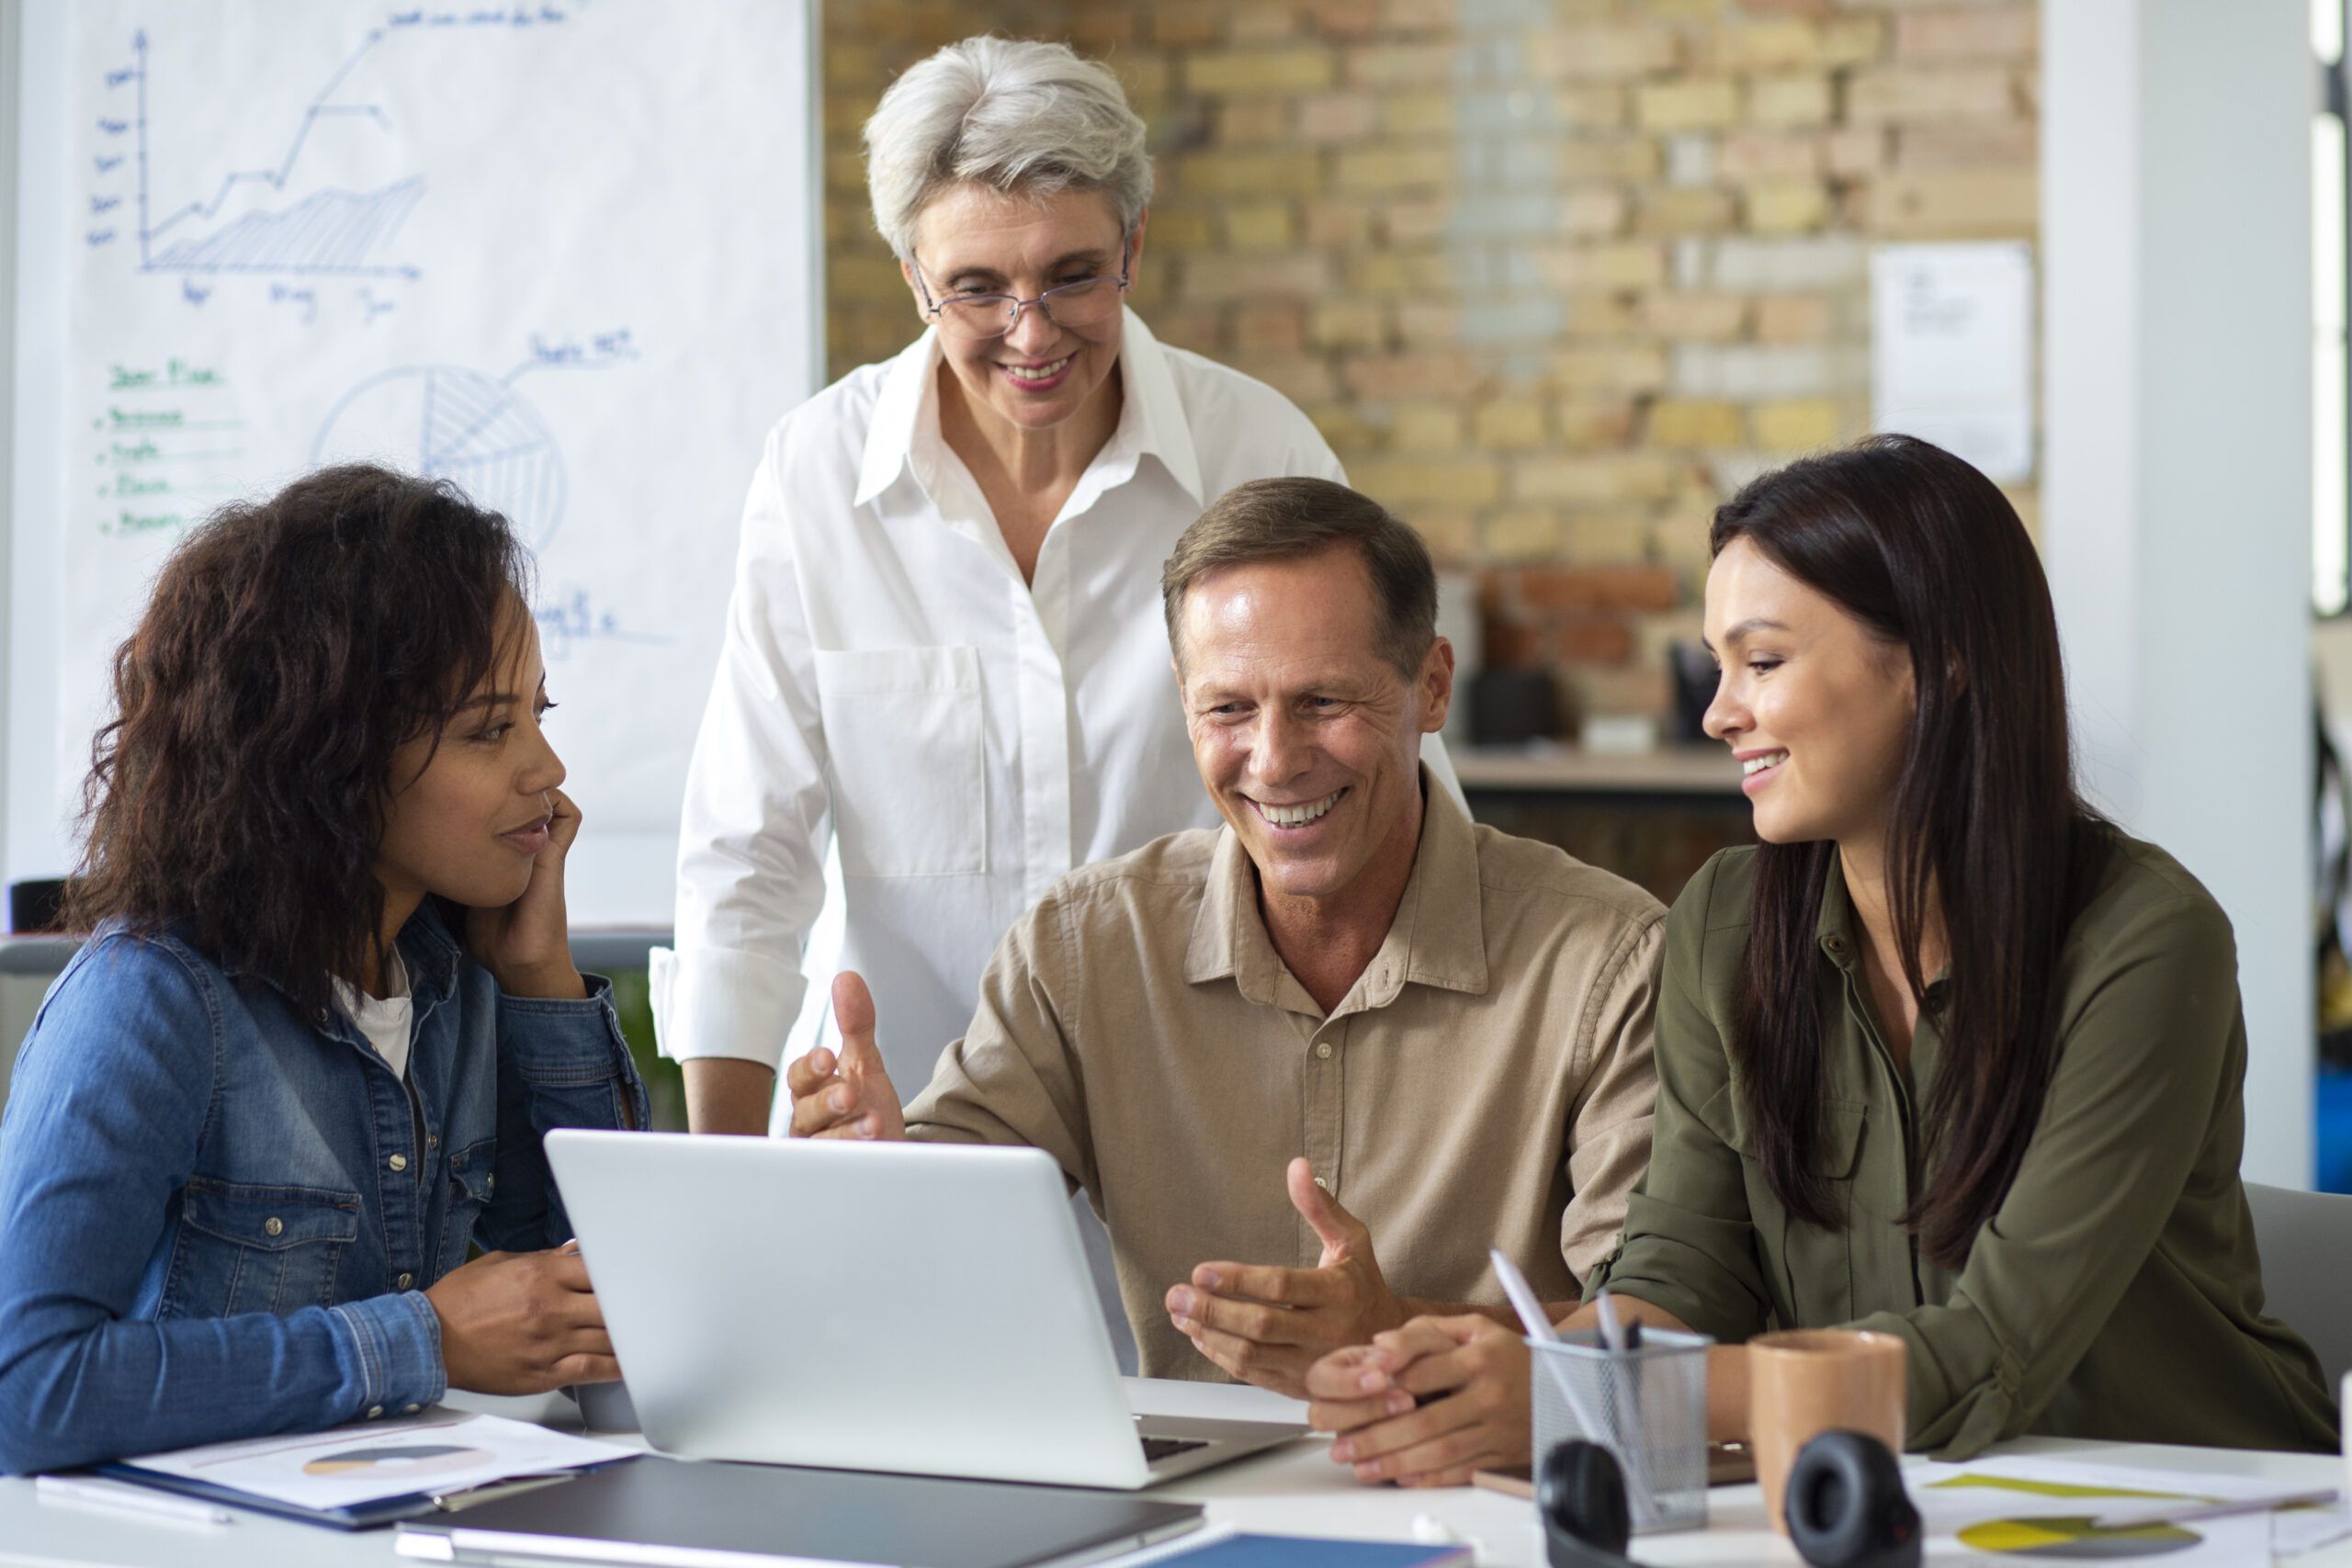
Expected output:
(237, 796)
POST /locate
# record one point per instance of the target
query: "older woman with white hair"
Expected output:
(945, 647)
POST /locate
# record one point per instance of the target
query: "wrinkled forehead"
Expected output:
(1284, 624)
(967, 227)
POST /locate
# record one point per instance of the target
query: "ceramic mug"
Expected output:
(1809, 1381)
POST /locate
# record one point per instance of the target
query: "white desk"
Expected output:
(1294, 1490)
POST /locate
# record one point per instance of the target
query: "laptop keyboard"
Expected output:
(1158, 1449)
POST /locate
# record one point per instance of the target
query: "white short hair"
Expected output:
(1013, 114)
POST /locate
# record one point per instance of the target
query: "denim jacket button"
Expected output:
(374, 1411)
(398, 1162)
(405, 1282)
(273, 1227)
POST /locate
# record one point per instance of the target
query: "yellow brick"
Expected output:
(1804, 425)
(1413, 481)
(1427, 323)
(1765, 45)
(1258, 226)
(1400, 65)
(1594, 425)
(1630, 368)
(1252, 174)
(2006, 33)
(1954, 203)
(1695, 422)
(1243, 121)
(1452, 534)
(1628, 160)
(1593, 212)
(1182, 228)
(1790, 99)
(1589, 107)
(1259, 70)
(1427, 427)
(1348, 323)
(1509, 425)
(1792, 318)
(1613, 537)
(1417, 114)
(1577, 268)
(1344, 427)
(1599, 479)
(1853, 40)
(1525, 533)
(1694, 103)
(1337, 116)
(1904, 93)
(1627, 50)
(1787, 207)
(1397, 168)
(1697, 318)
(1684, 209)
(1598, 313)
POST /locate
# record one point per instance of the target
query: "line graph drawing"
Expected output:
(333, 232)
(446, 421)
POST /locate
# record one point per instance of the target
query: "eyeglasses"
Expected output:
(1089, 302)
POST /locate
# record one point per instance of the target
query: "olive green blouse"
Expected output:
(2116, 1293)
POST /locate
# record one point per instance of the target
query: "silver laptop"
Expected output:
(902, 1307)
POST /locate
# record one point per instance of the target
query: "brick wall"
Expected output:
(1552, 276)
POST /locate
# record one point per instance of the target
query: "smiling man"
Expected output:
(1310, 1066)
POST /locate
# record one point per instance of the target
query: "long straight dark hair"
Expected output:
(1985, 826)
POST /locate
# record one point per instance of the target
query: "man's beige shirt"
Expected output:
(1486, 1082)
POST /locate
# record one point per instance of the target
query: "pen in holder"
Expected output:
(1646, 1406)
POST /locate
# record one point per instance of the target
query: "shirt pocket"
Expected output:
(1820, 1261)
(472, 1185)
(902, 727)
(253, 1248)
(1807, 1268)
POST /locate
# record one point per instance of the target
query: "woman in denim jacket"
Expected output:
(328, 1009)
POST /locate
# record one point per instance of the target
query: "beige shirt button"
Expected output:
(405, 1280)
(1323, 1183)
(273, 1227)
(1323, 1050)
(398, 1162)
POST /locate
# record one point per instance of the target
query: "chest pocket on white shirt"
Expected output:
(909, 782)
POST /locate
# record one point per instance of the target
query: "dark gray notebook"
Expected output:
(657, 1510)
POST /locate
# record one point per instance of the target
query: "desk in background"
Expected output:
(1651, 817)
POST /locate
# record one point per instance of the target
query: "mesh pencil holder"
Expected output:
(1648, 1407)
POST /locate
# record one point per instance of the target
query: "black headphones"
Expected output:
(1845, 1503)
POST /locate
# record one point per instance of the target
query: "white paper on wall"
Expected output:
(556, 253)
(1951, 350)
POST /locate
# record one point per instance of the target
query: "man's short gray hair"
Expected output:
(1008, 113)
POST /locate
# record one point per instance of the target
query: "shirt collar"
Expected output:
(904, 432)
(1438, 937)
(1838, 932)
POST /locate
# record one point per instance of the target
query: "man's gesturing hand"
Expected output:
(1266, 1325)
(852, 1098)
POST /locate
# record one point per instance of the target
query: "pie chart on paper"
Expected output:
(2075, 1538)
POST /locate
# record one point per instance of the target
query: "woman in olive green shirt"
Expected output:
(1946, 1055)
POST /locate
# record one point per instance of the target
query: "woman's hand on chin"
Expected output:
(527, 944)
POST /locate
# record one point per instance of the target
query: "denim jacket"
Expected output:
(218, 1219)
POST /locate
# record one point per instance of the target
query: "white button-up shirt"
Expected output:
(972, 736)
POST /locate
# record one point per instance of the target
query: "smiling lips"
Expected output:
(1038, 378)
(1759, 768)
(1300, 816)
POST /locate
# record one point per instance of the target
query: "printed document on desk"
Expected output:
(436, 1453)
(2027, 1506)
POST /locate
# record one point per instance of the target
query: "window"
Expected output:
(2330, 375)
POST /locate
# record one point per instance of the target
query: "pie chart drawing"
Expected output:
(444, 422)
(399, 1459)
(2073, 1537)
